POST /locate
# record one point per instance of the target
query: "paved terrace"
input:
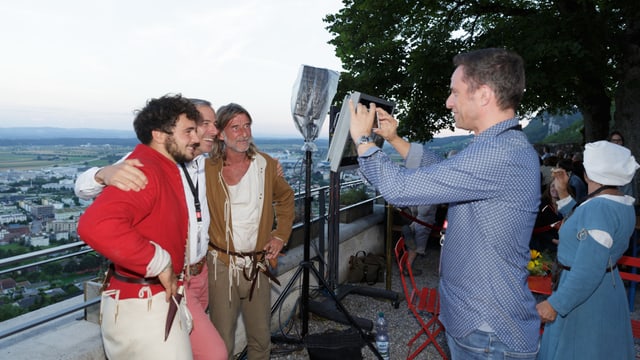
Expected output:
(71, 337)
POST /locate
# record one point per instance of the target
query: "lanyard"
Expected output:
(194, 192)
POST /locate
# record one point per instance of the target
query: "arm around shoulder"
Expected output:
(86, 186)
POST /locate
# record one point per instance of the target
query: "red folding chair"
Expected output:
(627, 267)
(423, 302)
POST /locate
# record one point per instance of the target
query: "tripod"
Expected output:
(313, 91)
(307, 266)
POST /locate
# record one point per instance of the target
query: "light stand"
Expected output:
(304, 307)
(312, 96)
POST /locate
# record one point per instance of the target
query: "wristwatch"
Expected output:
(364, 139)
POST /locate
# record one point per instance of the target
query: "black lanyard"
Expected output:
(594, 193)
(194, 191)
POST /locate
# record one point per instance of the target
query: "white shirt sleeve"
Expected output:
(86, 186)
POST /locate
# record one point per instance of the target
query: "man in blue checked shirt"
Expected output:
(493, 191)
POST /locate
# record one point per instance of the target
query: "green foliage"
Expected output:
(403, 50)
(353, 196)
(8, 311)
(570, 135)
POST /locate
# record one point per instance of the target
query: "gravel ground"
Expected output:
(402, 324)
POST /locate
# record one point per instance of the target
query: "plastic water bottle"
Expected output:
(382, 336)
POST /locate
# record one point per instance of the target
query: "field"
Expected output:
(38, 157)
(101, 152)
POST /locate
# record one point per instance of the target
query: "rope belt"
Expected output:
(258, 264)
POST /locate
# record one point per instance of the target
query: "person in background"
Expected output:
(587, 316)
(144, 235)
(546, 152)
(578, 186)
(252, 211)
(617, 138)
(545, 169)
(548, 221)
(493, 191)
(206, 342)
(417, 235)
(578, 165)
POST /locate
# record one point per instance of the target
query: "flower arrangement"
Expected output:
(540, 263)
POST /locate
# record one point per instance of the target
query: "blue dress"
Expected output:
(593, 313)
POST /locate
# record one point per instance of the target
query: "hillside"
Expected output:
(544, 128)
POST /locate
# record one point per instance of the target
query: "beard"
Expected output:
(233, 145)
(174, 150)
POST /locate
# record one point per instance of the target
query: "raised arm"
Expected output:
(362, 122)
(388, 130)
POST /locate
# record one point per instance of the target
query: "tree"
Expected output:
(8, 311)
(578, 53)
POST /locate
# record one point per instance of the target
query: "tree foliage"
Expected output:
(578, 53)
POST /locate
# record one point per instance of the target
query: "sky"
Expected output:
(90, 64)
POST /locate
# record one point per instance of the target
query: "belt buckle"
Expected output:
(196, 268)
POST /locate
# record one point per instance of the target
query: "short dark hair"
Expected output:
(500, 69)
(615, 132)
(162, 114)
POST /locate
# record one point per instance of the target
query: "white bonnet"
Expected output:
(609, 164)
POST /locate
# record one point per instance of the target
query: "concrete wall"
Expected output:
(363, 234)
(71, 337)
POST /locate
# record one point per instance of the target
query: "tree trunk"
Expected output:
(627, 115)
(596, 112)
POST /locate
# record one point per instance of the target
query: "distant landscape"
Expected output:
(544, 128)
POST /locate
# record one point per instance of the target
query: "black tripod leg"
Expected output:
(278, 303)
(285, 291)
(322, 282)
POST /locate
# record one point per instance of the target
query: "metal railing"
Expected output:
(80, 248)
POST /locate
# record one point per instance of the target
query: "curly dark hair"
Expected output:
(162, 114)
(502, 70)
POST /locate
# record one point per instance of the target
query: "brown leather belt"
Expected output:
(256, 257)
(141, 281)
(560, 267)
(196, 269)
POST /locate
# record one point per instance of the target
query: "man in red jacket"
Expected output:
(144, 235)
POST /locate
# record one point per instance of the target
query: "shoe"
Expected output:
(416, 272)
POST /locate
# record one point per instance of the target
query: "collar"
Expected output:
(499, 128)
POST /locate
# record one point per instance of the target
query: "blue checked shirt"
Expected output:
(493, 191)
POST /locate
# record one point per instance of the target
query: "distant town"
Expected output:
(39, 210)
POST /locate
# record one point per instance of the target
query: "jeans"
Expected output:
(483, 345)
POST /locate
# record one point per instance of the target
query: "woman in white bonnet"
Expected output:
(587, 316)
